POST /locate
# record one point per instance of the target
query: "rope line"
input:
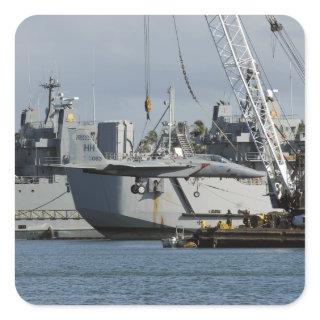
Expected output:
(147, 55)
(142, 134)
(194, 97)
(266, 77)
(51, 200)
(228, 191)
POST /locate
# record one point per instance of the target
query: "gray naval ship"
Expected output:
(105, 206)
(44, 207)
(119, 211)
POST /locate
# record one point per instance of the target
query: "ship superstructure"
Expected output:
(44, 203)
(291, 135)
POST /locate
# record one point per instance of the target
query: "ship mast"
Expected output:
(171, 93)
(93, 85)
(51, 85)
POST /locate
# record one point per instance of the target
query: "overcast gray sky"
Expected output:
(63, 45)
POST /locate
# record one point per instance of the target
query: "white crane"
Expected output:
(243, 74)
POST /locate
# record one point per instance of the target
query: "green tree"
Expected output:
(199, 128)
(148, 142)
(198, 131)
(152, 137)
(181, 127)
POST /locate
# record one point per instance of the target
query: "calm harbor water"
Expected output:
(142, 272)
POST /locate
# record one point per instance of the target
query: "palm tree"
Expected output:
(147, 143)
(181, 126)
(152, 137)
(199, 128)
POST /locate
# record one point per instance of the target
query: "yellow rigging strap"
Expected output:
(148, 106)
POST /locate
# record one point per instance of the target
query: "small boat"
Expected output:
(176, 241)
(169, 242)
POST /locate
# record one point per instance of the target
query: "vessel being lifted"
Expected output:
(84, 154)
(162, 203)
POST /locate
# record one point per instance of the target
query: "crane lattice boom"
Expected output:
(241, 69)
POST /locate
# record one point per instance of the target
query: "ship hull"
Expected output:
(107, 203)
(46, 210)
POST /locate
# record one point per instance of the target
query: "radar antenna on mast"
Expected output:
(51, 85)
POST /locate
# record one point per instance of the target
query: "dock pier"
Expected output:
(250, 238)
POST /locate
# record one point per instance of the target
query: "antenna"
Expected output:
(56, 68)
(171, 92)
(38, 107)
(93, 84)
(29, 76)
(291, 105)
(50, 86)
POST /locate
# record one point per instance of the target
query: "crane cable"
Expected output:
(50, 201)
(194, 97)
(147, 103)
(266, 78)
(287, 45)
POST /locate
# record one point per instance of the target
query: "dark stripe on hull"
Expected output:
(120, 233)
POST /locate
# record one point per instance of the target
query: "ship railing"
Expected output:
(212, 157)
(252, 156)
(86, 122)
(232, 119)
(252, 181)
(235, 118)
(47, 214)
(40, 124)
(51, 160)
(115, 156)
(34, 179)
(144, 156)
(131, 156)
(288, 116)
